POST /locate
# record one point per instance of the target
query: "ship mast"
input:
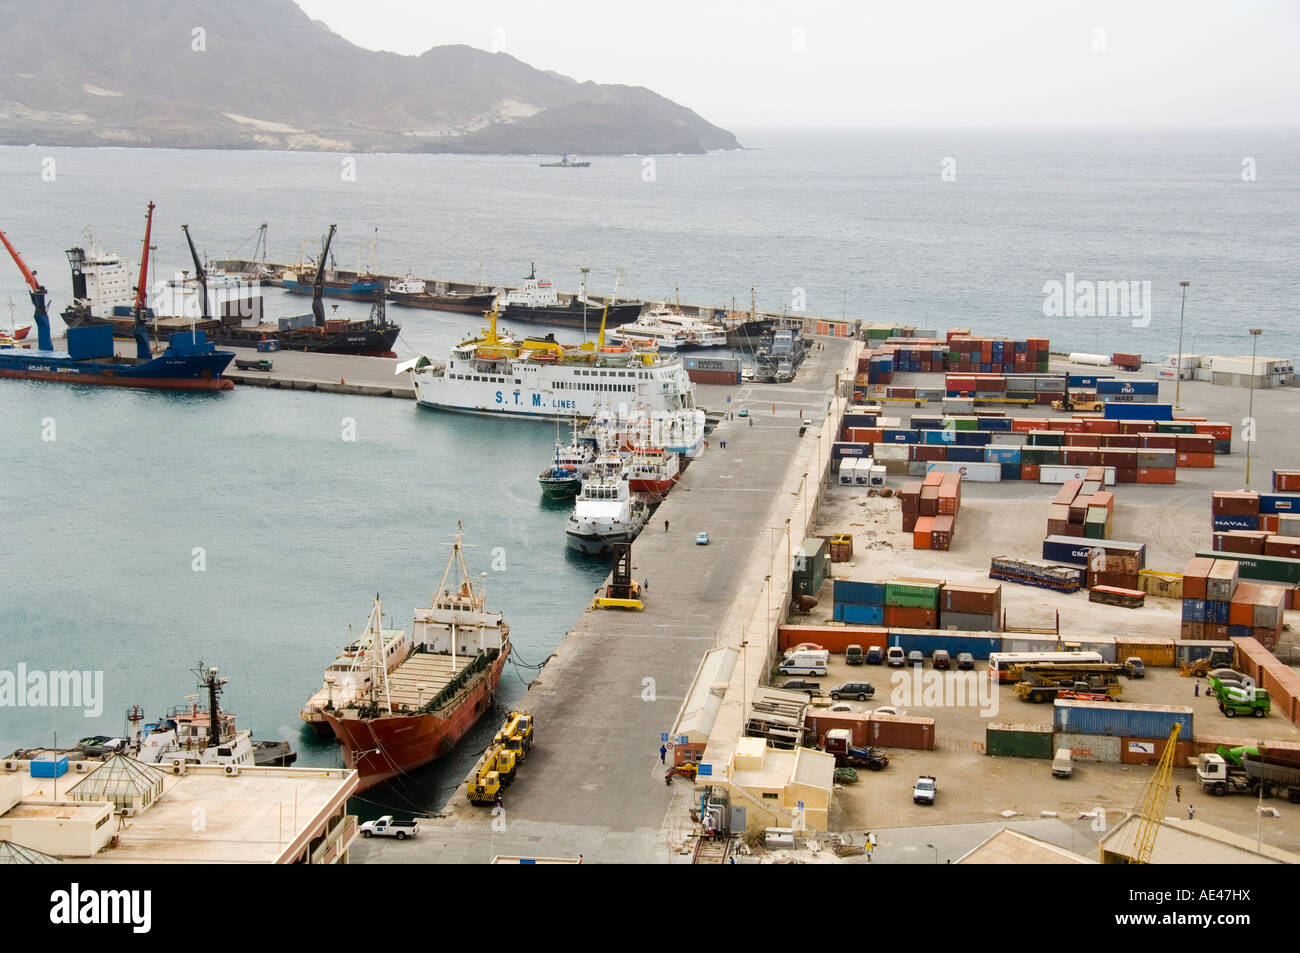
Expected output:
(377, 650)
(318, 285)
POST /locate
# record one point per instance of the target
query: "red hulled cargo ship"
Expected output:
(416, 714)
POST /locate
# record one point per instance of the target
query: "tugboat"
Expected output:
(414, 293)
(419, 711)
(537, 302)
(606, 512)
(190, 361)
(563, 478)
(564, 163)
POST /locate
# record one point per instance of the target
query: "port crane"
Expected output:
(318, 284)
(139, 330)
(38, 295)
(1151, 802)
(200, 272)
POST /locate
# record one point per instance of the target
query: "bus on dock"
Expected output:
(1005, 666)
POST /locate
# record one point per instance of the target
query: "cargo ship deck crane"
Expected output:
(38, 295)
(199, 271)
(318, 284)
(139, 330)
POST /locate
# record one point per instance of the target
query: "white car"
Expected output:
(889, 710)
(924, 790)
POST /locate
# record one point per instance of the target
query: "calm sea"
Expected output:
(299, 528)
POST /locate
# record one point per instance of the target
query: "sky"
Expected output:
(887, 63)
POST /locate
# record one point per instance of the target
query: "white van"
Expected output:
(805, 662)
(1062, 764)
(895, 656)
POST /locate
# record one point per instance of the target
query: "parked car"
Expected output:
(925, 789)
(801, 685)
(1135, 667)
(804, 647)
(387, 827)
(874, 655)
(916, 658)
(841, 708)
(965, 661)
(702, 539)
(940, 659)
(853, 655)
(896, 656)
(859, 690)
(889, 710)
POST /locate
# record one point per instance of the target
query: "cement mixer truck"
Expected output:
(1240, 696)
(1247, 768)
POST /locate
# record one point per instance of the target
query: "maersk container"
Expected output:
(1270, 503)
(1121, 720)
(1098, 748)
(1119, 411)
(1018, 741)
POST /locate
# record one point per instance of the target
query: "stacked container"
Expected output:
(971, 608)
(912, 603)
(860, 603)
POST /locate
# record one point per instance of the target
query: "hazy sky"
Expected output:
(873, 63)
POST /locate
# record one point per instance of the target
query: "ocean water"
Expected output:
(299, 527)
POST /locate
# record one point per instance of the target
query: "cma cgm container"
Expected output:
(1076, 552)
(1121, 720)
(1018, 741)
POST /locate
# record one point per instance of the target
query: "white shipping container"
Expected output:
(862, 472)
(974, 472)
(885, 452)
(1030, 644)
(1048, 473)
(848, 470)
(1189, 361)
(1204, 374)
(1288, 525)
(877, 476)
(1105, 649)
(1103, 748)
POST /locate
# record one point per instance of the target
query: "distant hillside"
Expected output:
(123, 72)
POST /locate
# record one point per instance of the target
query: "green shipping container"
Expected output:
(965, 423)
(911, 595)
(1042, 366)
(1267, 568)
(1169, 426)
(1018, 741)
(1095, 525)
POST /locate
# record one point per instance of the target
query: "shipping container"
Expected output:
(1222, 581)
(969, 470)
(859, 614)
(833, 638)
(970, 621)
(910, 617)
(921, 595)
(1095, 748)
(1228, 503)
(1159, 652)
(1167, 585)
(1188, 651)
(1262, 568)
(1121, 720)
(894, 731)
(981, 599)
(1149, 750)
(1018, 741)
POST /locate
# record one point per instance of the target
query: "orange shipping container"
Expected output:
(1029, 471)
(921, 534)
(1157, 475)
(833, 638)
(1199, 460)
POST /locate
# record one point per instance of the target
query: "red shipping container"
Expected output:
(941, 536)
(1193, 630)
(1200, 460)
(1195, 443)
(1285, 480)
(895, 731)
(1123, 441)
(911, 495)
(1216, 633)
(1265, 637)
(929, 451)
(908, 617)
(976, 599)
(1217, 430)
(1268, 523)
(920, 536)
(1068, 491)
(1126, 475)
(1227, 503)
(1104, 499)
(1157, 475)
(1194, 577)
(1288, 546)
(1238, 541)
(929, 501)
(1101, 425)
(1158, 441)
(1029, 471)
(909, 522)
(1089, 440)
(932, 479)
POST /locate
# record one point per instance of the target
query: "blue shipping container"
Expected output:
(90, 342)
(1002, 455)
(1279, 503)
(863, 615)
(1074, 553)
(859, 420)
(1121, 720)
(1238, 631)
(850, 450)
(1010, 471)
(858, 593)
(1193, 610)
(996, 424)
(1224, 523)
(1116, 411)
(966, 454)
(899, 436)
(1111, 385)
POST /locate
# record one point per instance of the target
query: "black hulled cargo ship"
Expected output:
(537, 302)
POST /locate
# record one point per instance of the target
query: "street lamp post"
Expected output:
(1250, 414)
(788, 568)
(936, 852)
(803, 491)
(767, 584)
(744, 679)
(1178, 371)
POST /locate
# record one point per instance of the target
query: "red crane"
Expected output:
(38, 294)
(140, 332)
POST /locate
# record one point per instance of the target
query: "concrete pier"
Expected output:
(593, 785)
(333, 373)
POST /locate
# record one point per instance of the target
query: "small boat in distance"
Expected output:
(564, 163)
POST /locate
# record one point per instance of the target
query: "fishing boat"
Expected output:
(569, 465)
(190, 361)
(540, 378)
(414, 293)
(417, 713)
(350, 677)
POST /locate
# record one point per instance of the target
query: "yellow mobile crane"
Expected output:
(516, 735)
(1151, 802)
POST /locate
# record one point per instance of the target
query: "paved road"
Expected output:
(594, 785)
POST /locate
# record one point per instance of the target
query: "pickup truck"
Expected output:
(924, 790)
(387, 827)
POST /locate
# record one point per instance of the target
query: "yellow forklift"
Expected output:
(623, 592)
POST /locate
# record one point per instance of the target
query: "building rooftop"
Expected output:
(1012, 847)
(1196, 842)
(700, 707)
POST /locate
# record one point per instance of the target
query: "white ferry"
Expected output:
(537, 377)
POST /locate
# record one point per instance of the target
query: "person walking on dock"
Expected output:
(751, 421)
(663, 754)
(665, 526)
(1196, 689)
(1191, 812)
(645, 585)
(723, 442)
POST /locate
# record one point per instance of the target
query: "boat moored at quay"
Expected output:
(539, 378)
(417, 713)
